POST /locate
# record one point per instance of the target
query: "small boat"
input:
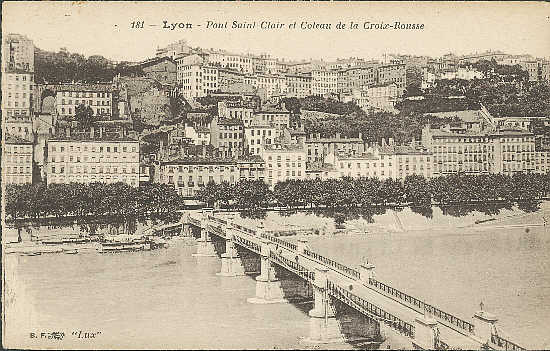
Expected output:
(32, 254)
(122, 242)
(70, 252)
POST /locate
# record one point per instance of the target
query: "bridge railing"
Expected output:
(365, 307)
(293, 266)
(252, 246)
(244, 229)
(352, 273)
(436, 312)
(283, 243)
(505, 344)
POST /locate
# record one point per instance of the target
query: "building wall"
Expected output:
(17, 93)
(17, 52)
(17, 163)
(257, 137)
(92, 161)
(101, 102)
(284, 164)
(188, 177)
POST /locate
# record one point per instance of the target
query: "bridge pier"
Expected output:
(323, 325)
(205, 247)
(426, 333)
(268, 287)
(231, 262)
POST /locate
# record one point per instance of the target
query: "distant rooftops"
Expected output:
(283, 147)
(86, 87)
(198, 160)
(14, 139)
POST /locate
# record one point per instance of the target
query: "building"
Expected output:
(251, 168)
(411, 160)
(233, 110)
(383, 96)
(17, 89)
(227, 136)
(196, 79)
(17, 160)
(279, 119)
(235, 62)
(20, 126)
(370, 164)
(319, 148)
(298, 85)
(393, 73)
(90, 157)
(324, 82)
(189, 174)
(356, 78)
(97, 96)
(256, 136)
(162, 69)
(322, 171)
(17, 53)
(174, 50)
(284, 162)
(500, 151)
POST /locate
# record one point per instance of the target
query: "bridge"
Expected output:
(385, 314)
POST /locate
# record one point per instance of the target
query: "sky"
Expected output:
(104, 28)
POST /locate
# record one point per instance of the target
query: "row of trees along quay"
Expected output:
(116, 200)
(162, 201)
(414, 191)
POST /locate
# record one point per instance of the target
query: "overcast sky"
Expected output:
(104, 27)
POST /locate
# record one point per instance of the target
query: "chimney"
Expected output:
(360, 135)
(68, 132)
(337, 135)
(203, 150)
(92, 132)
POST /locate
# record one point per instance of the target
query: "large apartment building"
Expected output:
(17, 53)
(504, 151)
(17, 89)
(284, 162)
(92, 157)
(17, 156)
(189, 174)
(97, 96)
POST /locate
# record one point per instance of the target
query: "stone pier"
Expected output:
(324, 327)
(205, 246)
(367, 272)
(231, 262)
(426, 333)
(268, 287)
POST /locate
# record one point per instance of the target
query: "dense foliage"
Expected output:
(94, 199)
(380, 125)
(415, 191)
(65, 67)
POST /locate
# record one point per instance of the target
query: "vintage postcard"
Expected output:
(275, 175)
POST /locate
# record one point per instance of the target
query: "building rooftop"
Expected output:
(284, 147)
(85, 137)
(198, 160)
(250, 158)
(14, 139)
(230, 122)
(86, 87)
(317, 167)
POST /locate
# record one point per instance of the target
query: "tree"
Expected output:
(84, 115)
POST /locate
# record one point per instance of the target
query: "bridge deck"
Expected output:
(455, 337)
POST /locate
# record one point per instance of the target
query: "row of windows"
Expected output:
(85, 148)
(18, 179)
(93, 159)
(96, 110)
(93, 170)
(288, 164)
(84, 94)
(18, 159)
(17, 149)
(172, 169)
(20, 170)
(89, 102)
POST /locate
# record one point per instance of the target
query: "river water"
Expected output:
(170, 299)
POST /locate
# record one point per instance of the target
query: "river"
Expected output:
(170, 299)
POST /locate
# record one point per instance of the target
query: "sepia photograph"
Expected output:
(275, 175)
